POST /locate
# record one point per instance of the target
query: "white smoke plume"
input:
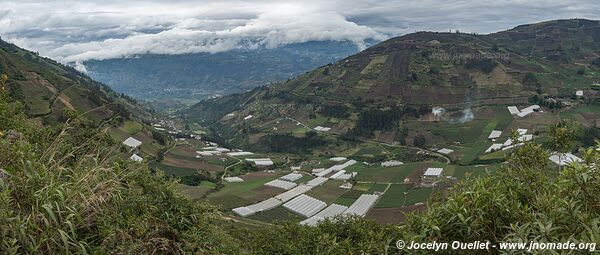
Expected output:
(465, 116)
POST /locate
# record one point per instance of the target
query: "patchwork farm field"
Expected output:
(399, 189)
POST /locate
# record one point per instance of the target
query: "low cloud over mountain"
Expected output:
(75, 31)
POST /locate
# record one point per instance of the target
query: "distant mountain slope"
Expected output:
(49, 90)
(202, 75)
(425, 69)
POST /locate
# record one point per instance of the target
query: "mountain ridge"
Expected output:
(425, 69)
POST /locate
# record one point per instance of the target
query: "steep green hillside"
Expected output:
(51, 93)
(405, 77)
(49, 89)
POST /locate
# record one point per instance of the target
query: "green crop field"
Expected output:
(362, 186)
(475, 149)
(241, 188)
(377, 187)
(345, 201)
(399, 195)
(380, 174)
(419, 195)
(328, 192)
(277, 214)
(393, 197)
(172, 170)
(462, 171)
(196, 192)
(132, 127)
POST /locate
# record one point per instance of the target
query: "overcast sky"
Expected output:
(69, 31)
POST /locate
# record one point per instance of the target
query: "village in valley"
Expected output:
(375, 179)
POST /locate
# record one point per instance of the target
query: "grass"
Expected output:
(393, 197)
(328, 192)
(132, 127)
(380, 174)
(197, 192)
(378, 187)
(475, 149)
(419, 195)
(461, 172)
(345, 201)
(353, 194)
(399, 195)
(363, 186)
(277, 214)
(496, 155)
(465, 133)
(172, 170)
(241, 188)
(369, 151)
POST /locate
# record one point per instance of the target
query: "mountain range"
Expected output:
(192, 77)
(422, 70)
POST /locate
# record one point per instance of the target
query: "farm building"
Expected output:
(291, 177)
(391, 163)
(335, 168)
(305, 205)
(433, 172)
(132, 143)
(579, 93)
(281, 184)
(495, 134)
(239, 153)
(222, 149)
(260, 161)
(362, 205)
(528, 110)
(136, 158)
(431, 176)
(243, 211)
(317, 181)
(265, 205)
(299, 190)
(330, 212)
(248, 117)
(445, 151)
(494, 147)
(347, 164)
(317, 170)
(564, 158)
(233, 179)
(338, 159)
(342, 175)
(512, 146)
(513, 110)
(322, 129)
(525, 138)
(208, 153)
(522, 131)
(296, 168)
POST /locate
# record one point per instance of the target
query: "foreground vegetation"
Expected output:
(68, 190)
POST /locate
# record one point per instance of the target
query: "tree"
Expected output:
(419, 141)
(562, 135)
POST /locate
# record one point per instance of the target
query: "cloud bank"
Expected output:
(75, 31)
